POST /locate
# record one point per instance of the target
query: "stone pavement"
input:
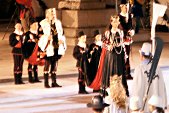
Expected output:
(66, 65)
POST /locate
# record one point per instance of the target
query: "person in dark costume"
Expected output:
(126, 26)
(30, 41)
(15, 41)
(94, 55)
(137, 12)
(49, 43)
(115, 54)
(79, 53)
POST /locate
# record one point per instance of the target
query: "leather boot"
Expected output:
(30, 78)
(82, 89)
(20, 78)
(36, 79)
(16, 78)
(54, 84)
(46, 80)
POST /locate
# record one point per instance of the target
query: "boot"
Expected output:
(54, 84)
(82, 89)
(16, 78)
(46, 80)
(30, 79)
(36, 79)
(20, 78)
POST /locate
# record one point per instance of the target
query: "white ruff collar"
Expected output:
(82, 44)
(18, 32)
(99, 43)
(125, 15)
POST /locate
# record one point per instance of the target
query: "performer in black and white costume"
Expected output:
(51, 42)
(29, 44)
(126, 24)
(15, 41)
(80, 54)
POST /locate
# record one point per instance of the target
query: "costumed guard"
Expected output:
(80, 54)
(25, 12)
(94, 55)
(50, 43)
(140, 79)
(15, 40)
(114, 55)
(30, 47)
(126, 24)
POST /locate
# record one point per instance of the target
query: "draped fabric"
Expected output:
(98, 78)
(34, 56)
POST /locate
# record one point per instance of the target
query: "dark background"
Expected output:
(7, 8)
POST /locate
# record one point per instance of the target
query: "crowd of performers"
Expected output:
(103, 65)
(40, 43)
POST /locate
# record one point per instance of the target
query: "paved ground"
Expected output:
(34, 98)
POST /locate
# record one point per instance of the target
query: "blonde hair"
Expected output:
(117, 91)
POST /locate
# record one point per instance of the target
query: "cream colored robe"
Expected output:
(140, 84)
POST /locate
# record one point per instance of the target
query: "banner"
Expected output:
(158, 11)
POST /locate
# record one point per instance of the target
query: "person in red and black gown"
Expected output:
(94, 55)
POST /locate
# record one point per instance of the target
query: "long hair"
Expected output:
(117, 91)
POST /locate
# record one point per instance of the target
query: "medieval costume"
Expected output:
(15, 40)
(29, 45)
(140, 79)
(49, 43)
(112, 61)
(137, 12)
(80, 54)
(94, 55)
(126, 24)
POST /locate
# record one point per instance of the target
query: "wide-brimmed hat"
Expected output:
(145, 49)
(123, 3)
(17, 21)
(97, 102)
(96, 32)
(135, 103)
(32, 20)
(156, 101)
(81, 33)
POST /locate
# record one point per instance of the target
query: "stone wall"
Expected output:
(85, 15)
